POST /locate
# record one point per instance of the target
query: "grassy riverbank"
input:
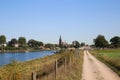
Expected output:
(110, 57)
(23, 70)
(75, 71)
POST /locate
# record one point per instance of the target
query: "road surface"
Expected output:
(93, 69)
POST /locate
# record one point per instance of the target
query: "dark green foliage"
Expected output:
(75, 44)
(49, 45)
(34, 43)
(115, 41)
(12, 42)
(101, 42)
(82, 44)
(2, 39)
(22, 41)
(12, 48)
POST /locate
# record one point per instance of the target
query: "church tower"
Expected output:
(60, 42)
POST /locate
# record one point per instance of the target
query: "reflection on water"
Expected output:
(6, 58)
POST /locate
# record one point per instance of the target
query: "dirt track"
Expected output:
(93, 69)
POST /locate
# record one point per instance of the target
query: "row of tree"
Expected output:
(101, 42)
(21, 42)
(76, 44)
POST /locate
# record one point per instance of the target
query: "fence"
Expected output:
(42, 69)
(51, 72)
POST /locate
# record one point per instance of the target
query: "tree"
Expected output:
(82, 44)
(13, 42)
(22, 41)
(75, 44)
(101, 42)
(2, 39)
(49, 45)
(31, 43)
(115, 41)
(34, 43)
(39, 43)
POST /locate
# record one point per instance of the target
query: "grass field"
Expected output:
(110, 57)
(115, 54)
(23, 70)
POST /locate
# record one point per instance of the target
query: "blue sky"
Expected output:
(46, 20)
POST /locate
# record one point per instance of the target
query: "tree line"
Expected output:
(21, 42)
(101, 42)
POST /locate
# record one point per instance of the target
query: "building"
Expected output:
(60, 42)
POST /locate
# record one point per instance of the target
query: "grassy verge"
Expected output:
(23, 70)
(109, 57)
(74, 72)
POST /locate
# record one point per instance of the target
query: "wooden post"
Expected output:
(34, 76)
(55, 69)
(65, 63)
(70, 61)
(73, 57)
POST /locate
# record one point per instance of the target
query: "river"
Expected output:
(6, 58)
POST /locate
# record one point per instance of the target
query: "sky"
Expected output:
(46, 20)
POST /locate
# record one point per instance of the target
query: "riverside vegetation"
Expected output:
(23, 70)
(111, 57)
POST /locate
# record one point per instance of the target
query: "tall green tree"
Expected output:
(22, 41)
(39, 43)
(75, 44)
(115, 41)
(101, 42)
(82, 44)
(31, 43)
(2, 39)
(12, 42)
(34, 43)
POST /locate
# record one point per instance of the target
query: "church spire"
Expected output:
(60, 41)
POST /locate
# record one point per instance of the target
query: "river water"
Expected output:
(6, 58)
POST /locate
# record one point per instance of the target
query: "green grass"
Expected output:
(110, 57)
(23, 70)
(115, 54)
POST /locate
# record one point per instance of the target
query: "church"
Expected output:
(62, 44)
